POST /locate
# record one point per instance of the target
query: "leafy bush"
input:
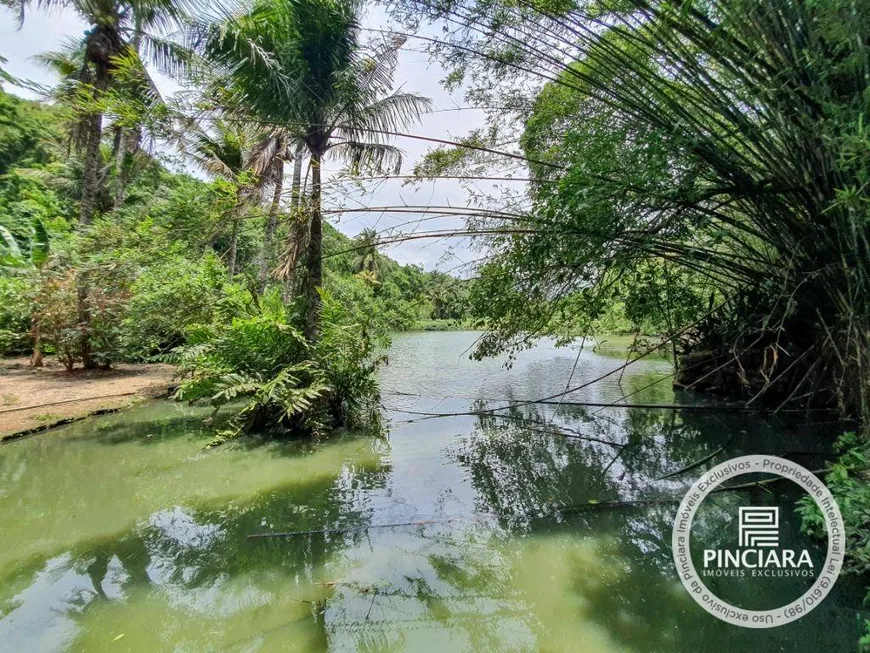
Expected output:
(56, 313)
(168, 298)
(79, 311)
(847, 479)
(14, 315)
(287, 385)
(347, 351)
(106, 300)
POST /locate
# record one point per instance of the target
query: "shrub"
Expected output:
(79, 311)
(57, 315)
(287, 385)
(347, 351)
(14, 315)
(168, 298)
(847, 479)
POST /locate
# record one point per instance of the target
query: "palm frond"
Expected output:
(378, 120)
(171, 58)
(67, 62)
(378, 158)
(376, 70)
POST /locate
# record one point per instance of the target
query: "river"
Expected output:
(455, 532)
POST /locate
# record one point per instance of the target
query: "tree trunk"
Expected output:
(84, 325)
(131, 137)
(271, 225)
(296, 188)
(314, 262)
(36, 357)
(295, 233)
(234, 238)
(91, 170)
(232, 254)
(120, 150)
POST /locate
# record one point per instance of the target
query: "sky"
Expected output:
(43, 31)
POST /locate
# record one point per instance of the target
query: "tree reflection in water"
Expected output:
(526, 564)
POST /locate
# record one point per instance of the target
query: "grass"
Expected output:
(46, 417)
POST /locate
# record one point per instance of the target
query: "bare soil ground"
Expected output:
(38, 397)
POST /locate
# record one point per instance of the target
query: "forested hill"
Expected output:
(160, 251)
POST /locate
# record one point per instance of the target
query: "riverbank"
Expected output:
(37, 398)
(605, 343)
(441, 325)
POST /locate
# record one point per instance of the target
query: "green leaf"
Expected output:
(14, 251)
(40, 245)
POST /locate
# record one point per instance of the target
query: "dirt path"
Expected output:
(32, 398)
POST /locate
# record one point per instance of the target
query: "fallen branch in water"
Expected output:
(582, 404)
(614, 505)
(548, 429)
(695, 464)
(561, 432)
(582, 507)
(356, 529)
(760, 484)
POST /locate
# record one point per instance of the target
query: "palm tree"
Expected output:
(270, 154)
(135, 102)
(68, 64)
(366, 246)
(299, 64)
(117, 29)
(228, 151)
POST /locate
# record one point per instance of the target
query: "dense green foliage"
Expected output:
(723, 143)
(288, 384)
(148, 279)
(168, 243)
(847, 479)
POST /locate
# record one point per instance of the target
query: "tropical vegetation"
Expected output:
(251, 296)
(700, 164)
(694, 170)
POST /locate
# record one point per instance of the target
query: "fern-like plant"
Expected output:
(263, 366)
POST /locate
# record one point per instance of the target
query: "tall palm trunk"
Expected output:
(127, 140)
(314, 262)
(298, 227)
(232, 255)
(91, 171)
(271, 225)
(90, 187)
(234, 239)
(296, 188)
(120, 152)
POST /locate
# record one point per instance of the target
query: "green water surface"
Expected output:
(120, 534)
